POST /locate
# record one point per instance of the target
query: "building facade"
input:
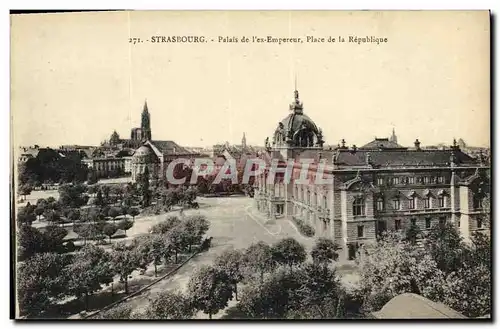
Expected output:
(380, 186)
(109, 166)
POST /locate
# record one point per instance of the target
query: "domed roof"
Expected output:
(146, 153)
(295, 121)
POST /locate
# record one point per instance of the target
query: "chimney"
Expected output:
(417, 144)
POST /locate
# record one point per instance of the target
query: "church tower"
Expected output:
(244, 141)
(393, 137)
(145, 123)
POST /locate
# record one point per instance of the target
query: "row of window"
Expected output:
(410, 180)
(358, 206)
(308, 197)
(428, 222)
(428, 203)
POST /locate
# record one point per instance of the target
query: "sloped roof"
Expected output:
(413, 306)
(401, 158)
(378, 143)
(171, 147)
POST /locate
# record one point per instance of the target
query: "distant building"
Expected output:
(379, 186)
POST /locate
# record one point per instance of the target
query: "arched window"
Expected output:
(308, 197)
(358, 207)
(324, 202)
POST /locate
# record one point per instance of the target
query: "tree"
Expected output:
(144, 186)
(109, 229)
(124, 260)
(393, 266)
(39, 281)
(114, 212)
(259, 259)
(165, 226)
(52, 216)
(324, 251)
(320, 295)
(120, 312)
(74, 215)
(157, 249)
(85, 231)
(142, 246)
(89, 269)
(39, 212)
(413, 234)
(99, 200)
(92, 189)
(125, 225)
(54, 237)
(274, 297)
(133, 212)
(25, 190)
(468, 290)
(177, 240)
(169, 305)
(209, 290)
(289, 252)
(30, 241)
(310, 292)
(25, 216)
(231, 262)
(446, 247)
(195, 228)
(73, 195)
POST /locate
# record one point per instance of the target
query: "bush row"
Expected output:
(304, 228)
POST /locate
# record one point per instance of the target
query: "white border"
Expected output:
(494, 5)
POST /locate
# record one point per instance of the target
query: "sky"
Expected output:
(75, 77)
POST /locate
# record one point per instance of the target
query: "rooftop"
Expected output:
(413, 306)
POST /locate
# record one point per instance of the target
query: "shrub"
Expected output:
(304, 228)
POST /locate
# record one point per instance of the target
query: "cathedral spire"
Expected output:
(393, 137)
(244, 141)
(145, 123)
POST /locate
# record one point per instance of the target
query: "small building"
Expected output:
(413, 306)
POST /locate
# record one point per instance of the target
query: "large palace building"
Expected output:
(377, 187)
